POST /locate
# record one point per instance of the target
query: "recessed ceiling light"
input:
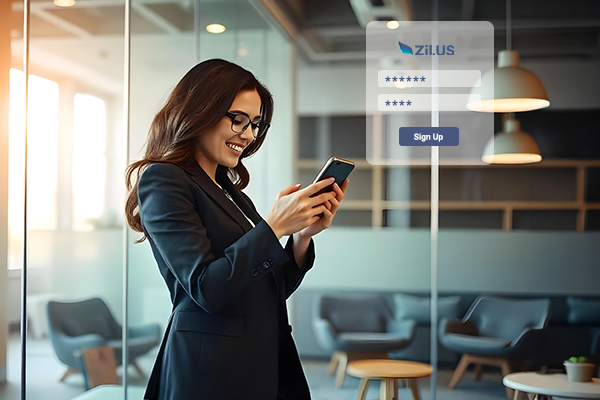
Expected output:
(215, 28)
(64, 3)
(393, 24)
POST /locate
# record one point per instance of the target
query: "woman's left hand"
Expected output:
(332, 206)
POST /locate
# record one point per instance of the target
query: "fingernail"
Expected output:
(297, 184)
(332, 180)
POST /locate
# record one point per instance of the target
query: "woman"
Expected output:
(228, 275)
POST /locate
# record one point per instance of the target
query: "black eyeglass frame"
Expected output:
(261, 125)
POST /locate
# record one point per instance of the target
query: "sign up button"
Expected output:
(428, 136)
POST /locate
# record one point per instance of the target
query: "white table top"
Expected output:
(112, 392)
(552, 385)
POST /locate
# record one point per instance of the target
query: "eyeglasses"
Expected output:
(240, 122)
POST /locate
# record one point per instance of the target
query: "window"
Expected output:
(89, 161)
(42, 159)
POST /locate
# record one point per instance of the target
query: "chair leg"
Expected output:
(344, 357)
(505, 366)
(478, 371)
(70, 371)
(363, 388)
(519, 395)
(334, 362)
(506, 369)
(386, 391)
(341, 370)
(460, 370)
(414, 388)
(138, 368)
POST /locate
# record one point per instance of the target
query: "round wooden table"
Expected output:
(388, 372)
(550, 385)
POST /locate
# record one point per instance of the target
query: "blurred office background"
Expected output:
(524, 231)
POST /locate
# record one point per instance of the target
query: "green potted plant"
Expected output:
(579, 369)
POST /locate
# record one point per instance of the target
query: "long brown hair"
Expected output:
(197, 103)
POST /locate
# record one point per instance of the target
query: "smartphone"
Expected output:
(336, 167)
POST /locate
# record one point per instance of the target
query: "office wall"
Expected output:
(5, 13)
(469, 261)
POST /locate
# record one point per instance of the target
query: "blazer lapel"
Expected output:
(226, 183)
(201, 178)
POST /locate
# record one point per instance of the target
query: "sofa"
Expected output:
(573, 328)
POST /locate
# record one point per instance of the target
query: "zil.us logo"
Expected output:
(427, 50)
(405, 48)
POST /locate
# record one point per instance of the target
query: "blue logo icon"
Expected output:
(427, 50)
(405, 48)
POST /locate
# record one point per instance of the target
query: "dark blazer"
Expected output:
(228, 337)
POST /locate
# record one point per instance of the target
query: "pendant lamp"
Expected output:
(511, 146)
(515, 89)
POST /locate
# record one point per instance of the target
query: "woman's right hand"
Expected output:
(294, 209)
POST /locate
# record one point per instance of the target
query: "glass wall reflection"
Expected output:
(75, 192)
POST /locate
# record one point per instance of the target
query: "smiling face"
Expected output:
(221, 145)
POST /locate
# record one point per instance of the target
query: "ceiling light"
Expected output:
(511, 146)
(392, 24)
(215, 28)
(508, 88)
(64, 3)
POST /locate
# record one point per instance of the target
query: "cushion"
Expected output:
(583, 311)
(72, 328)
(474, 344)
(94, 324)
(353, 321)
(375, 342)
(419, 308)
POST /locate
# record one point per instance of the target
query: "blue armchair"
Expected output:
(495, 331)
(73, 326)
(358, 327)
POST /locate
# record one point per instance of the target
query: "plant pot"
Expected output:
(580, 372)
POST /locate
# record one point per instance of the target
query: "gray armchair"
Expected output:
(495, 331)
(73, 326)
(358, 327)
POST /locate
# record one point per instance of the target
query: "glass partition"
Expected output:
(75, 160)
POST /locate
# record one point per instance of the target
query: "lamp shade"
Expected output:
(514, 88)
(511, 146)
